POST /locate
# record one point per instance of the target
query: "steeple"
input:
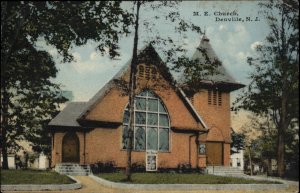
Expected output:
(205, 53)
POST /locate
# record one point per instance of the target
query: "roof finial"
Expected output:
(204, 37)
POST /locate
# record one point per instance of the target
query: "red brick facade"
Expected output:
(202, 120)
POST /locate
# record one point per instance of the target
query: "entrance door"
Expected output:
(70, 148)
(214, 152)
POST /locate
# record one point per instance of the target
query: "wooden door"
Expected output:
(70, 148)
(214, 152)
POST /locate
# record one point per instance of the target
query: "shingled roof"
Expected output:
(221, 75)
(69, 115)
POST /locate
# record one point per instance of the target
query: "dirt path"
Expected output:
(90, 186)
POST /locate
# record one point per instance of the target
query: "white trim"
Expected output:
(188, 101)
(146, 126)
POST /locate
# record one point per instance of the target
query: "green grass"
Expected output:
(169, 178)
(33, 177)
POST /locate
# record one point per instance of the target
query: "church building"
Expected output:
(175, 127)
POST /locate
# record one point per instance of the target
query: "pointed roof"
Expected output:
(205, 53)
(109, 85)
(142, 55)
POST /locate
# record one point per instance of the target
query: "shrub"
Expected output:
(184, 168)
(138, 167)
(103, 167)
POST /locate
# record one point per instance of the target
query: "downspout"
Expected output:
(190, 148)
(197, 141)
(84, 147)
(197, 144)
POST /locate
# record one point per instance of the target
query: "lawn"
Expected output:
(175, 178)
(33, 177)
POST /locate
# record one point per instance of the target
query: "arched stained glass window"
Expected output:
(152, 125)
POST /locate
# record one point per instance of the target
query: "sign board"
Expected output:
(151, 161)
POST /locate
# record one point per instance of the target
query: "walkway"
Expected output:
(90, 186)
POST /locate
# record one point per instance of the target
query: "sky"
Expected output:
(233, 42)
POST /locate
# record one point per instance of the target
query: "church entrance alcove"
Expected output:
(70, 148)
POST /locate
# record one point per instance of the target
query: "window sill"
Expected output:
(145, 151)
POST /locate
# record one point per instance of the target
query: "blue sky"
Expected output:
(232, 42)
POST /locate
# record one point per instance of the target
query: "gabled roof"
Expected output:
(205, 53)
(69, 115)
(109, 85)
(141, 55)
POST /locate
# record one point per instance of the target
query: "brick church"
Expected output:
(178, 129)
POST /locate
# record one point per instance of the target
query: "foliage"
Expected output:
(172, 53)
(274, 89)
(33, 177)
(238, 142)
(103, 167)
(184, 167)
(175, 178)
(29, 98)
(138, 167)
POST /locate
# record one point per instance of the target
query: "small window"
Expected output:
(147, 72)
(153, 73)
(215, 97)
(202, 148)
(141, 71)
(219, 98)
(209, 97)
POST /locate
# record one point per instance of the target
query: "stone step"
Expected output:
(73, 169)
(224, 170)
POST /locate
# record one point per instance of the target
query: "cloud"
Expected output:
(77, 56)
(222, 27)
(93, 56)
(254, 45)
(53, 52)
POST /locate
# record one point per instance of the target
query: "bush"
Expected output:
(103, 167)
(184, 168)
(138, 167)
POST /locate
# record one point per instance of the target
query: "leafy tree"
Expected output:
(26, 90)
(238, 142)
(273, 91)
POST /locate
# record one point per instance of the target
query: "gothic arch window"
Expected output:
(152, 124)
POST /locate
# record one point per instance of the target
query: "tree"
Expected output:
(273, 91)
(170, 54)
(25, 70)
(238, 142)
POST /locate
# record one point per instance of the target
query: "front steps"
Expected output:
(224, 171)
(73, 169)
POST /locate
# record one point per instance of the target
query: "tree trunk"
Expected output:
(4, 122)
(250, 161)
(132, 86)
(284, 123)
